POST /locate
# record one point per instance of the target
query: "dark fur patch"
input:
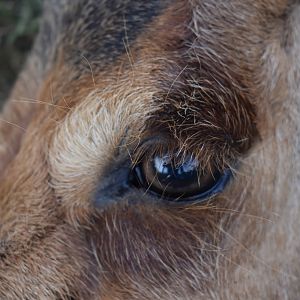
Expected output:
(100, 31)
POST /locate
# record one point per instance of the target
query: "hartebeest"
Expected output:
(150, 150)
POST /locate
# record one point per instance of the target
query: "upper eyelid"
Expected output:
(147, 145)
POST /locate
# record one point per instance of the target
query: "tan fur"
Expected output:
(219, 79)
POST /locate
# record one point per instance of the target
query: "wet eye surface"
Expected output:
(178, 182)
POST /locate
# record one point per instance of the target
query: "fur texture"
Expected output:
(109, 82)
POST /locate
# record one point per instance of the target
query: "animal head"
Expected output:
(150, 150)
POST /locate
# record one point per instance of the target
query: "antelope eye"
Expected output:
(179, 182)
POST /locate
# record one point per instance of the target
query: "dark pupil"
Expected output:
(178, 180)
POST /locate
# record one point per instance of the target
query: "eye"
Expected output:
(178, 182)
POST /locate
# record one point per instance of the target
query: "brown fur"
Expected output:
(219, 79)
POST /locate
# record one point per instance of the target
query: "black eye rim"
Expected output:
(137, 180)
